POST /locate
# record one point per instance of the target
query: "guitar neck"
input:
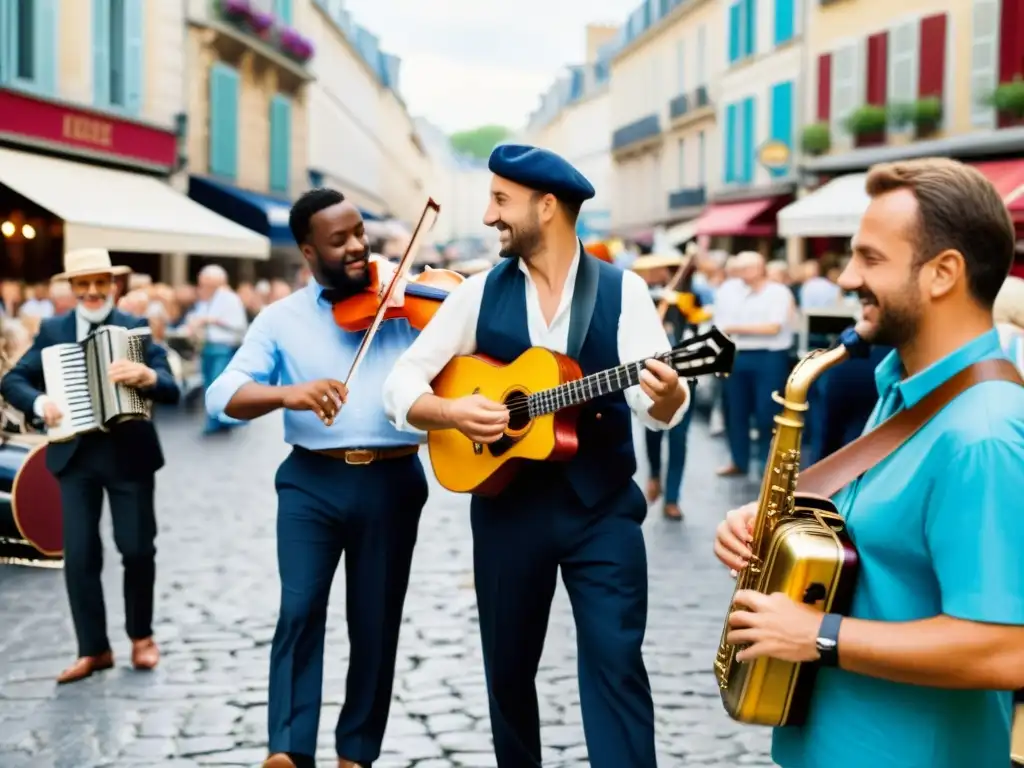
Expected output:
(586, 389)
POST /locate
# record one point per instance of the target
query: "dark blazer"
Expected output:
(136, 445)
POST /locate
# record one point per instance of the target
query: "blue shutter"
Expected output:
(730, 143)
(101, 52)
(7, 40)
(750, 28)
(134, 62)
(734, 32)
(782, 118)
(785, 21)
(280, 143)
(45, 26)
(223, 121)
(283, 11)
(747, 139)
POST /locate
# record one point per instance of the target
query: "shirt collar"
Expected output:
(573, 268)
(889, 372)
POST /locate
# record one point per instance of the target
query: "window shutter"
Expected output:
(283, 11)
(223, 121)
(848, 83)
(748, 140)
(785, 21)
(280, 143)
(878, 69)
(932, 67)
(903, 62)
(101, 52)
(782, 118)
(984, 60)
(134, 61)
(681, 66)
(45, 45)
(824, 87)
(730, 144)
(702, 52)
(750, 28)
(734, 31)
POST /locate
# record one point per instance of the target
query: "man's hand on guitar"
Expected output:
(479, 419)
(323, 397)
(661, 383)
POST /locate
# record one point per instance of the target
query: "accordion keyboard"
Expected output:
(76, 395)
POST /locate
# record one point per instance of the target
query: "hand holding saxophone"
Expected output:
(773, 625)
(733, 537)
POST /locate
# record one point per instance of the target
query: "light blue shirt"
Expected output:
(819, 292)
(296, 340)
(938, 528)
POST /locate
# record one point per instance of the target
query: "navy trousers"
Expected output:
(677, 441)
(371, 513)
(520, 540)
(748, 394)
(213, 360)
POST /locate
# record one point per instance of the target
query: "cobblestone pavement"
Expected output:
(217, 598)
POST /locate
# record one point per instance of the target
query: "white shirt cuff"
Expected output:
(220, 393)
(39, 404)
(641, 405)
(399, 400)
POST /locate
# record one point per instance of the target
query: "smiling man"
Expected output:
(352, 483)
(923, 667)
(121, 462)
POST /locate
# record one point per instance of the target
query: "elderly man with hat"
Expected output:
(582, 516)
(121, 461)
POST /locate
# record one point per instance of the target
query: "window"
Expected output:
(280, 144)
(848, 83)
(785, 21)
(702, 52)
(28, 38)
(681, 163)
(984, 60)
(702, 160)
(117, 54)
(681, 67)
(742, 29)
(903, 63)
(223, 121)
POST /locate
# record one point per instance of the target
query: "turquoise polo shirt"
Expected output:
(939, 527)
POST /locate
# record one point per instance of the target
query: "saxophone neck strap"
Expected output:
(836, 471)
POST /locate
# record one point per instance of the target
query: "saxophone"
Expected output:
(800, 547)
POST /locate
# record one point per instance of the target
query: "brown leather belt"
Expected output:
(361, 456)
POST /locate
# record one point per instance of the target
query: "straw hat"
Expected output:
(88, 261)
(655, 261)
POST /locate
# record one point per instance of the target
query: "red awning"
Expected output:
(1007, 176)
(737, 219)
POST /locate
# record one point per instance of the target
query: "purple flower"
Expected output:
(294, 44)
(260, 21)
(236, 7)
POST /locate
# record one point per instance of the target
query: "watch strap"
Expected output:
(828, 639)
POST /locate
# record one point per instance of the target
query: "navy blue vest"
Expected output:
(605, 460)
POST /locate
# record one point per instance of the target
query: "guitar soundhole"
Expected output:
(518, 411)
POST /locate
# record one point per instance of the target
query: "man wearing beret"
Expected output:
(582, 516)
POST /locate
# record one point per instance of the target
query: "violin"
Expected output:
(423, 295)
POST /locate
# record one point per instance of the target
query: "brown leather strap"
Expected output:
(837, 470)
(359, 456)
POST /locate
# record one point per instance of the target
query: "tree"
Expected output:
(479, 142)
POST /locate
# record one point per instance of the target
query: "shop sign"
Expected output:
(26, 118)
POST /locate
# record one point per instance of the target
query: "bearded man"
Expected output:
(352, 483)
(122, 461)
(921, 671)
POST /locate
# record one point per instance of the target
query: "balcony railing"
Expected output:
(679, 106)
(638, 130)
(691, 197)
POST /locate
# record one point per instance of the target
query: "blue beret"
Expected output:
(541, 170)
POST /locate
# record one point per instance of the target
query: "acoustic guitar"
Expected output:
(543, 391)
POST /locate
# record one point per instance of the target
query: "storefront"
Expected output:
(747, 224)
(74, 178)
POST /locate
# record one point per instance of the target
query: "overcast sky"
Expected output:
(471, 62)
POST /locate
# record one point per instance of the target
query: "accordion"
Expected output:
(77, 381)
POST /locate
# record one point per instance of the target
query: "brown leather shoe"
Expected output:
(279, 760)
(145, 654)
(730, 470)
(672, 512)
(85, 666)
(343, 763)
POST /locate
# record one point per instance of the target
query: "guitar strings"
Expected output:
(521, 405)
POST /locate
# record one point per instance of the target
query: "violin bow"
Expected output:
(424, 225)
(684, 270)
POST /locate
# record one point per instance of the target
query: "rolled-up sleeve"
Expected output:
(451, 332)
(974, 531)
(255, 361)
(641, 336)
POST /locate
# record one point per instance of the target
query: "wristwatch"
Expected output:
(828, 640)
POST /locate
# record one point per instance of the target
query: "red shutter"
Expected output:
(1011, 40)
(931, 76)
(878, 67)
(825, 87)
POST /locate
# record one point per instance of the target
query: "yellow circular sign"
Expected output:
(774, 155)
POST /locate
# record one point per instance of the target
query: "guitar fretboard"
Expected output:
(583, 390)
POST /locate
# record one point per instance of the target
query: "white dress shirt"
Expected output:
(227, 310)
(736, 304)
(82, 327)
(452, 332)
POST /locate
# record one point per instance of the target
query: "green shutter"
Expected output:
(223, 121)
(101, 52)
(280, 144)
(134, 62)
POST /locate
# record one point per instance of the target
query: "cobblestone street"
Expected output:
(216, 605)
